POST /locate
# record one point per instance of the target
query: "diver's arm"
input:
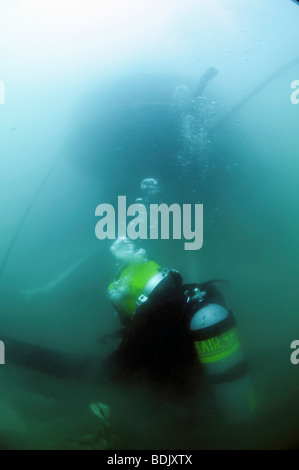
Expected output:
(51, 362)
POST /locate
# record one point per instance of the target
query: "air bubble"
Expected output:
(150, 186)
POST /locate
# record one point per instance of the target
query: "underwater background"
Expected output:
(99, 97)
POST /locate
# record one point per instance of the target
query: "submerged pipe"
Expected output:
(210, 73)
(261, 86)
(25, 215)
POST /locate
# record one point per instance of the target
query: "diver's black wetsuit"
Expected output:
(158, 340)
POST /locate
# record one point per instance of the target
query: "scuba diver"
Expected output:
(175, 337)
(174, 334)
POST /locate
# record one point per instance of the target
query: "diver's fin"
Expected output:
(101, 410)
